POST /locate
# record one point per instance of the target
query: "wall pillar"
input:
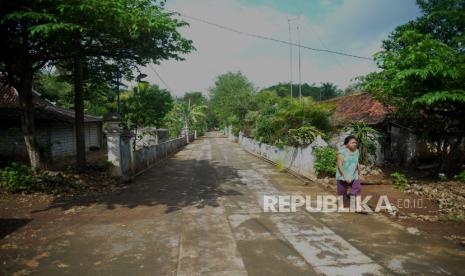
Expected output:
(119, 146)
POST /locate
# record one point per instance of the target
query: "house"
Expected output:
(359, 107)
(54, 125)
(398, 144)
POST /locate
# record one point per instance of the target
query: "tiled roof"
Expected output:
(359, 107)
(9, 100)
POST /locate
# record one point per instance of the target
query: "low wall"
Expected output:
(147, 156)
(298, 160)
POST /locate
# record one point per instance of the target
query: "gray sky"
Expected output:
(352, 26)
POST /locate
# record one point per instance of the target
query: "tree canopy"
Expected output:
(231, 96)
(79, 35)
(423, 75)
(145, 106)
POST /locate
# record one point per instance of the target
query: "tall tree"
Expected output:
(122, 32)
(231, 96)
(328, 90)
(423, 75)
(195, 98)
(146, 105)
(189, 114)
(25, 50)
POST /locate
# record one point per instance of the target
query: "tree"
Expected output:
(24, 52)
(328, 90)
(423, 76)
(189, 114)
(124, 33)
(146, 105)
(121, 32)
(367, 137)
(195, 98)
(283, 90)
(325, 91)
(57, 87)
(232, 95)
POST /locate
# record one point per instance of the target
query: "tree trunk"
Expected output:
(27, 118)
(79, 114)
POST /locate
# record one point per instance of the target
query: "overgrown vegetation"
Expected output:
(367, 138)
(268, 116)
(17, 178)
(71, 181)
(325, 163)
(400, 181)
(303, 136)
(422, 77)
(89, 43)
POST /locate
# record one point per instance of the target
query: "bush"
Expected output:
(276, 123)
(325, 163)
(461, 176)
(303, 136)
(400, 181)
(17, 178)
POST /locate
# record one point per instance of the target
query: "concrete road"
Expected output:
(200, 213)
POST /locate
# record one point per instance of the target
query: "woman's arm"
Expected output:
(340, 159)
(359, 168)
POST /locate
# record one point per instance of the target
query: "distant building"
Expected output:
(55, 129)
(359, 107)
(399, 144)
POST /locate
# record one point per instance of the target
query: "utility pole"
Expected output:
(290, 53)
(300, 75)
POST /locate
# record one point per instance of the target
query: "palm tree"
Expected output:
(327, 91)
(190, 114)
(367, 138)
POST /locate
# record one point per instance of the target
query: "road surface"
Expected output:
(200, 213)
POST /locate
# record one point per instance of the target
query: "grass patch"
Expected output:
(280, 167)
(451, 217)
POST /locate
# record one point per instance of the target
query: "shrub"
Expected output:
(400, 181)
(461, 176)
(17, 178)
(274, 123)
(303, 136)
(325, 163)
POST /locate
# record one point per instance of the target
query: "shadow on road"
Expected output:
(10, 225)
(175, 183)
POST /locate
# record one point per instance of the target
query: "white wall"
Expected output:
(299, 160)
(60, 136)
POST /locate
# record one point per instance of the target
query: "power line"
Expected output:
(268, 38)
(158, 75)
(324, 46)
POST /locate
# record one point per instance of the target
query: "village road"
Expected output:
(200, 212)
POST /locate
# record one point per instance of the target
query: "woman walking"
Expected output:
(348, 168)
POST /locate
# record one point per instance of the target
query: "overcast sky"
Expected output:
(352, 26)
